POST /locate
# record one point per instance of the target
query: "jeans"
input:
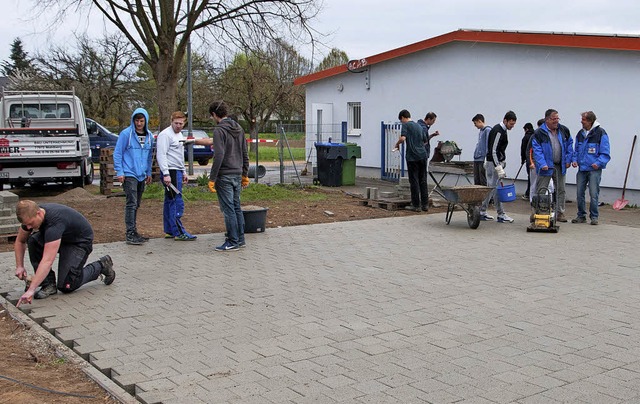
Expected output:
(228, 188)
(591, 178)
(558, 182)
(418, 183)
(133, 190)
(492, 181)
(72, 273)
(173, 208)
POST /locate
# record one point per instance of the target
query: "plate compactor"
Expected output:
(544, 218)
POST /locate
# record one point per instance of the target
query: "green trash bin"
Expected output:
(349, 164)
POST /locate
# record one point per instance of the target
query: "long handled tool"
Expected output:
(621, 203)
(305, 170)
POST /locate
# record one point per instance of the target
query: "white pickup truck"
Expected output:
(43, 138)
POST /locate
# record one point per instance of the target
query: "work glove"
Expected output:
(245, 181)
(212, 186)
(500, 171)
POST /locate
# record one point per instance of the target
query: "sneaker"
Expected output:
(141, 238)
(242, 244)
(594, 221)
(412, 208)
(227, 246)
(185, 237)
(107, 269)
(504, 218)
(46, 291)
(167, 235)
(425, 208)
(579, 220)
(525, 197)
(131, 239)
(485, 217)
(561, 217)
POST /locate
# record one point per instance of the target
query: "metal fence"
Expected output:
(392, 165)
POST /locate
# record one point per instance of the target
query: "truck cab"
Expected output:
(43, 138)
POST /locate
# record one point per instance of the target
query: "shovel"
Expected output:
(621, 203)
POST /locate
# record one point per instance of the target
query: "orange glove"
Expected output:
(212, 186)
(245, 181)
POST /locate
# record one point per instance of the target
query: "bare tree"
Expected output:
(103, 72)
(260, 82)
(161, 30)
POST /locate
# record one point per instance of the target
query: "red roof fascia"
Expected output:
(570, 40)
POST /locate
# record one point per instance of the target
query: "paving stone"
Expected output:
(289, 322)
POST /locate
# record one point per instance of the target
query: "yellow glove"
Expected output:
(245, 181)
(212, 186)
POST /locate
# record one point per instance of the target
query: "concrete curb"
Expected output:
(109, 385)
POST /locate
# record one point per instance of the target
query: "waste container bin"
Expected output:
(349, 164)
(330, 157)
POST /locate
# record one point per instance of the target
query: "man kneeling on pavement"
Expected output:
(48, 230)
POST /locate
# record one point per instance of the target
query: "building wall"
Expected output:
(458, 80)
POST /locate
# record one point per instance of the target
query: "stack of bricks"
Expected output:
(107, 172)
(9, 224)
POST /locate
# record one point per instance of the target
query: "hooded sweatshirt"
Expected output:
(230, 148)
(131, 157)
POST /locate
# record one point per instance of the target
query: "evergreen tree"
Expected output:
(19, 59)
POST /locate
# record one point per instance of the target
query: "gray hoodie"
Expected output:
(230, 150)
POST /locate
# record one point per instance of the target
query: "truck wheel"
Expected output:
(88, 179)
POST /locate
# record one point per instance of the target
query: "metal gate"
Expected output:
(392, 162)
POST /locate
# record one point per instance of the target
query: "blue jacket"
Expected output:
(130, 157)
(543, 153)
(480, 153)
(592, 147)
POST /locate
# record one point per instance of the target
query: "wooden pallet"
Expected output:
(388, 204)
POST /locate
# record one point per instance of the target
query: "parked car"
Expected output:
(99, 138)
(201, 154)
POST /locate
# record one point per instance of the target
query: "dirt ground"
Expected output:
(25, 358)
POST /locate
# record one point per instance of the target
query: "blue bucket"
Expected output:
(506, 193)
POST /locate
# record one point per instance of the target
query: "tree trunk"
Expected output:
(167, 82)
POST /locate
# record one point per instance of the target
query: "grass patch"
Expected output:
(290, 136)
(254, 192)
(271, 154)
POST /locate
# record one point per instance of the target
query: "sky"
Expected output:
(365, 28)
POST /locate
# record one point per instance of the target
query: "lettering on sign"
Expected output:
(357, 65)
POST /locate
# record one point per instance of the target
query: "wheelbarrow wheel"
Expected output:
(473, 216)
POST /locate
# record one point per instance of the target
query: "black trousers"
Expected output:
(418, 183)
(72, 273)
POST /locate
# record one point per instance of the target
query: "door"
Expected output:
(320, 129)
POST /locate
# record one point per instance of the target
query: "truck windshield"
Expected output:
(40, 111)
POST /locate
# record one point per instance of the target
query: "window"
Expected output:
(40, 110)
(354, 118)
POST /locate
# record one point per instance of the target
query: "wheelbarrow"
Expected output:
(469, 198)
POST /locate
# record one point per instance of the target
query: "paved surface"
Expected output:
(405, 310)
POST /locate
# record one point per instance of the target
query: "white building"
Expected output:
(465, 72)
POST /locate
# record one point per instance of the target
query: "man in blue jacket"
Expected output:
(553, 152)
(590, 156)
(132, 162)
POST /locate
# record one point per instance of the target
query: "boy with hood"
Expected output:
(228, 173)
(590, 156)
(132, 162)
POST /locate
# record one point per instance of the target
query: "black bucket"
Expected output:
(262, 171)
(255, 220)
